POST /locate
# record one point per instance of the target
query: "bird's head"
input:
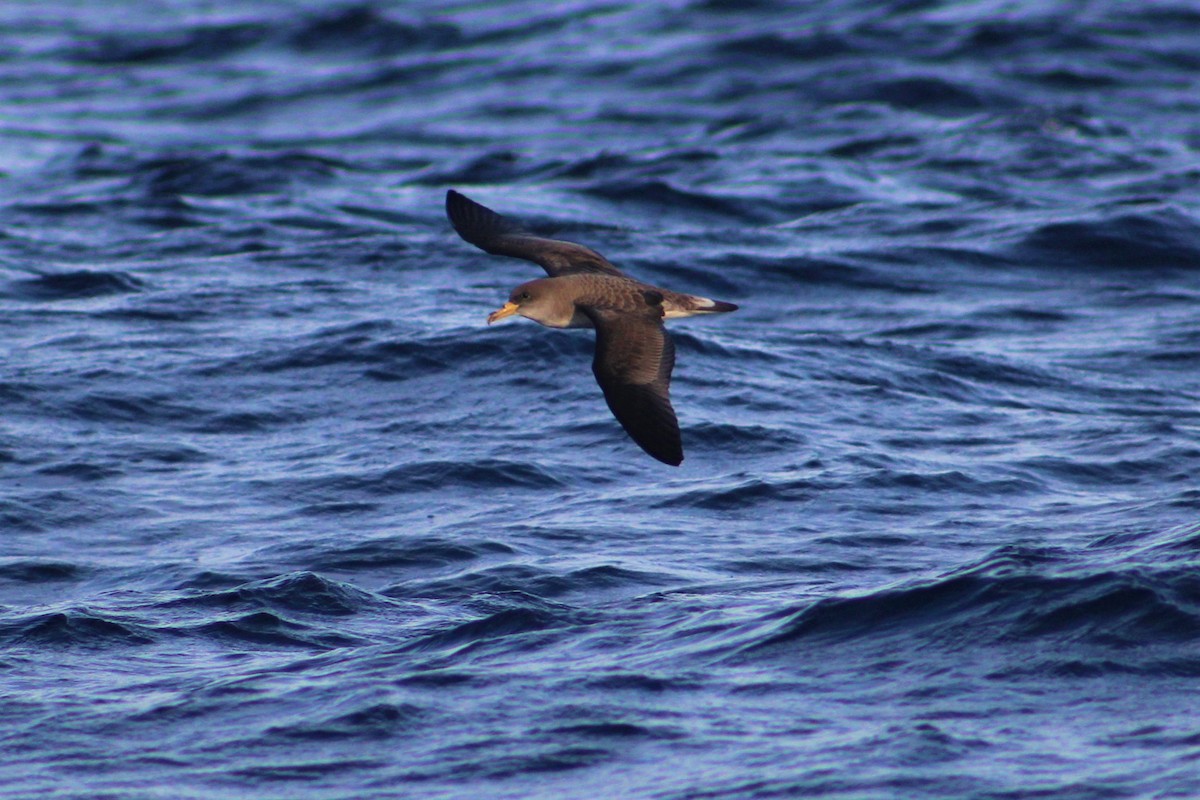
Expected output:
(538, 301)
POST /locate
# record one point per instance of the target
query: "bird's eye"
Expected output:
(524, 296)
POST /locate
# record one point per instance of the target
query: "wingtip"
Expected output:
(458, 205)
(669, 456)
(672, 455)
(454, 202)
(662, 444)
(464, 216)
(475, 222)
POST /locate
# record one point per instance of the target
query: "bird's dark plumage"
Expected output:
(633, 362)
(500, 236)
(634, 354)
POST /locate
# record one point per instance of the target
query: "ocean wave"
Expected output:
(374, 345)
(661, 198)
(509, 622)
(519, 580)
(614, 166)
(363, 720)
(197, 43)
(1013, 596)
(1161, 468)
(74, 285)
(948, 481)
(73, 628)
(497, 625)
(226, 175)
(1147, 243)
(352, 28)
(360, 29)
(400, 552)
(39, 571)
(728, 437)
(305, 592)
(927, 93)
(748, 493)
(415, 476)
(264, 628)
(81, 470)
(497, 166)
(989, 370)
(772, 272)
(765, 48)
(129, 408)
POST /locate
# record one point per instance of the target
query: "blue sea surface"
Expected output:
(282, 517)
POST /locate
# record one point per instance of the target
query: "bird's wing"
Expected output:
(633, 363)
(500, 236)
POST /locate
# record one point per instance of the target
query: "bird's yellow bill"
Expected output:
(506, 310)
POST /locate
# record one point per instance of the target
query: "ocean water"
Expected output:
(281, 517)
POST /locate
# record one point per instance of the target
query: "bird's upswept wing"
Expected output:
(500, 236)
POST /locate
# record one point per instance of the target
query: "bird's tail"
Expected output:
(715, 306)
(687, 305)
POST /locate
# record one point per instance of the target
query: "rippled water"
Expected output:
(282, 517)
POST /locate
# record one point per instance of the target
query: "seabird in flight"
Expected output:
(634, 355)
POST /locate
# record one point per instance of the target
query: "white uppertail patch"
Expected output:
(692, 305)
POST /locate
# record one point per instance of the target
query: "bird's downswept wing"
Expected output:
(633, 363)
(500, 236)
